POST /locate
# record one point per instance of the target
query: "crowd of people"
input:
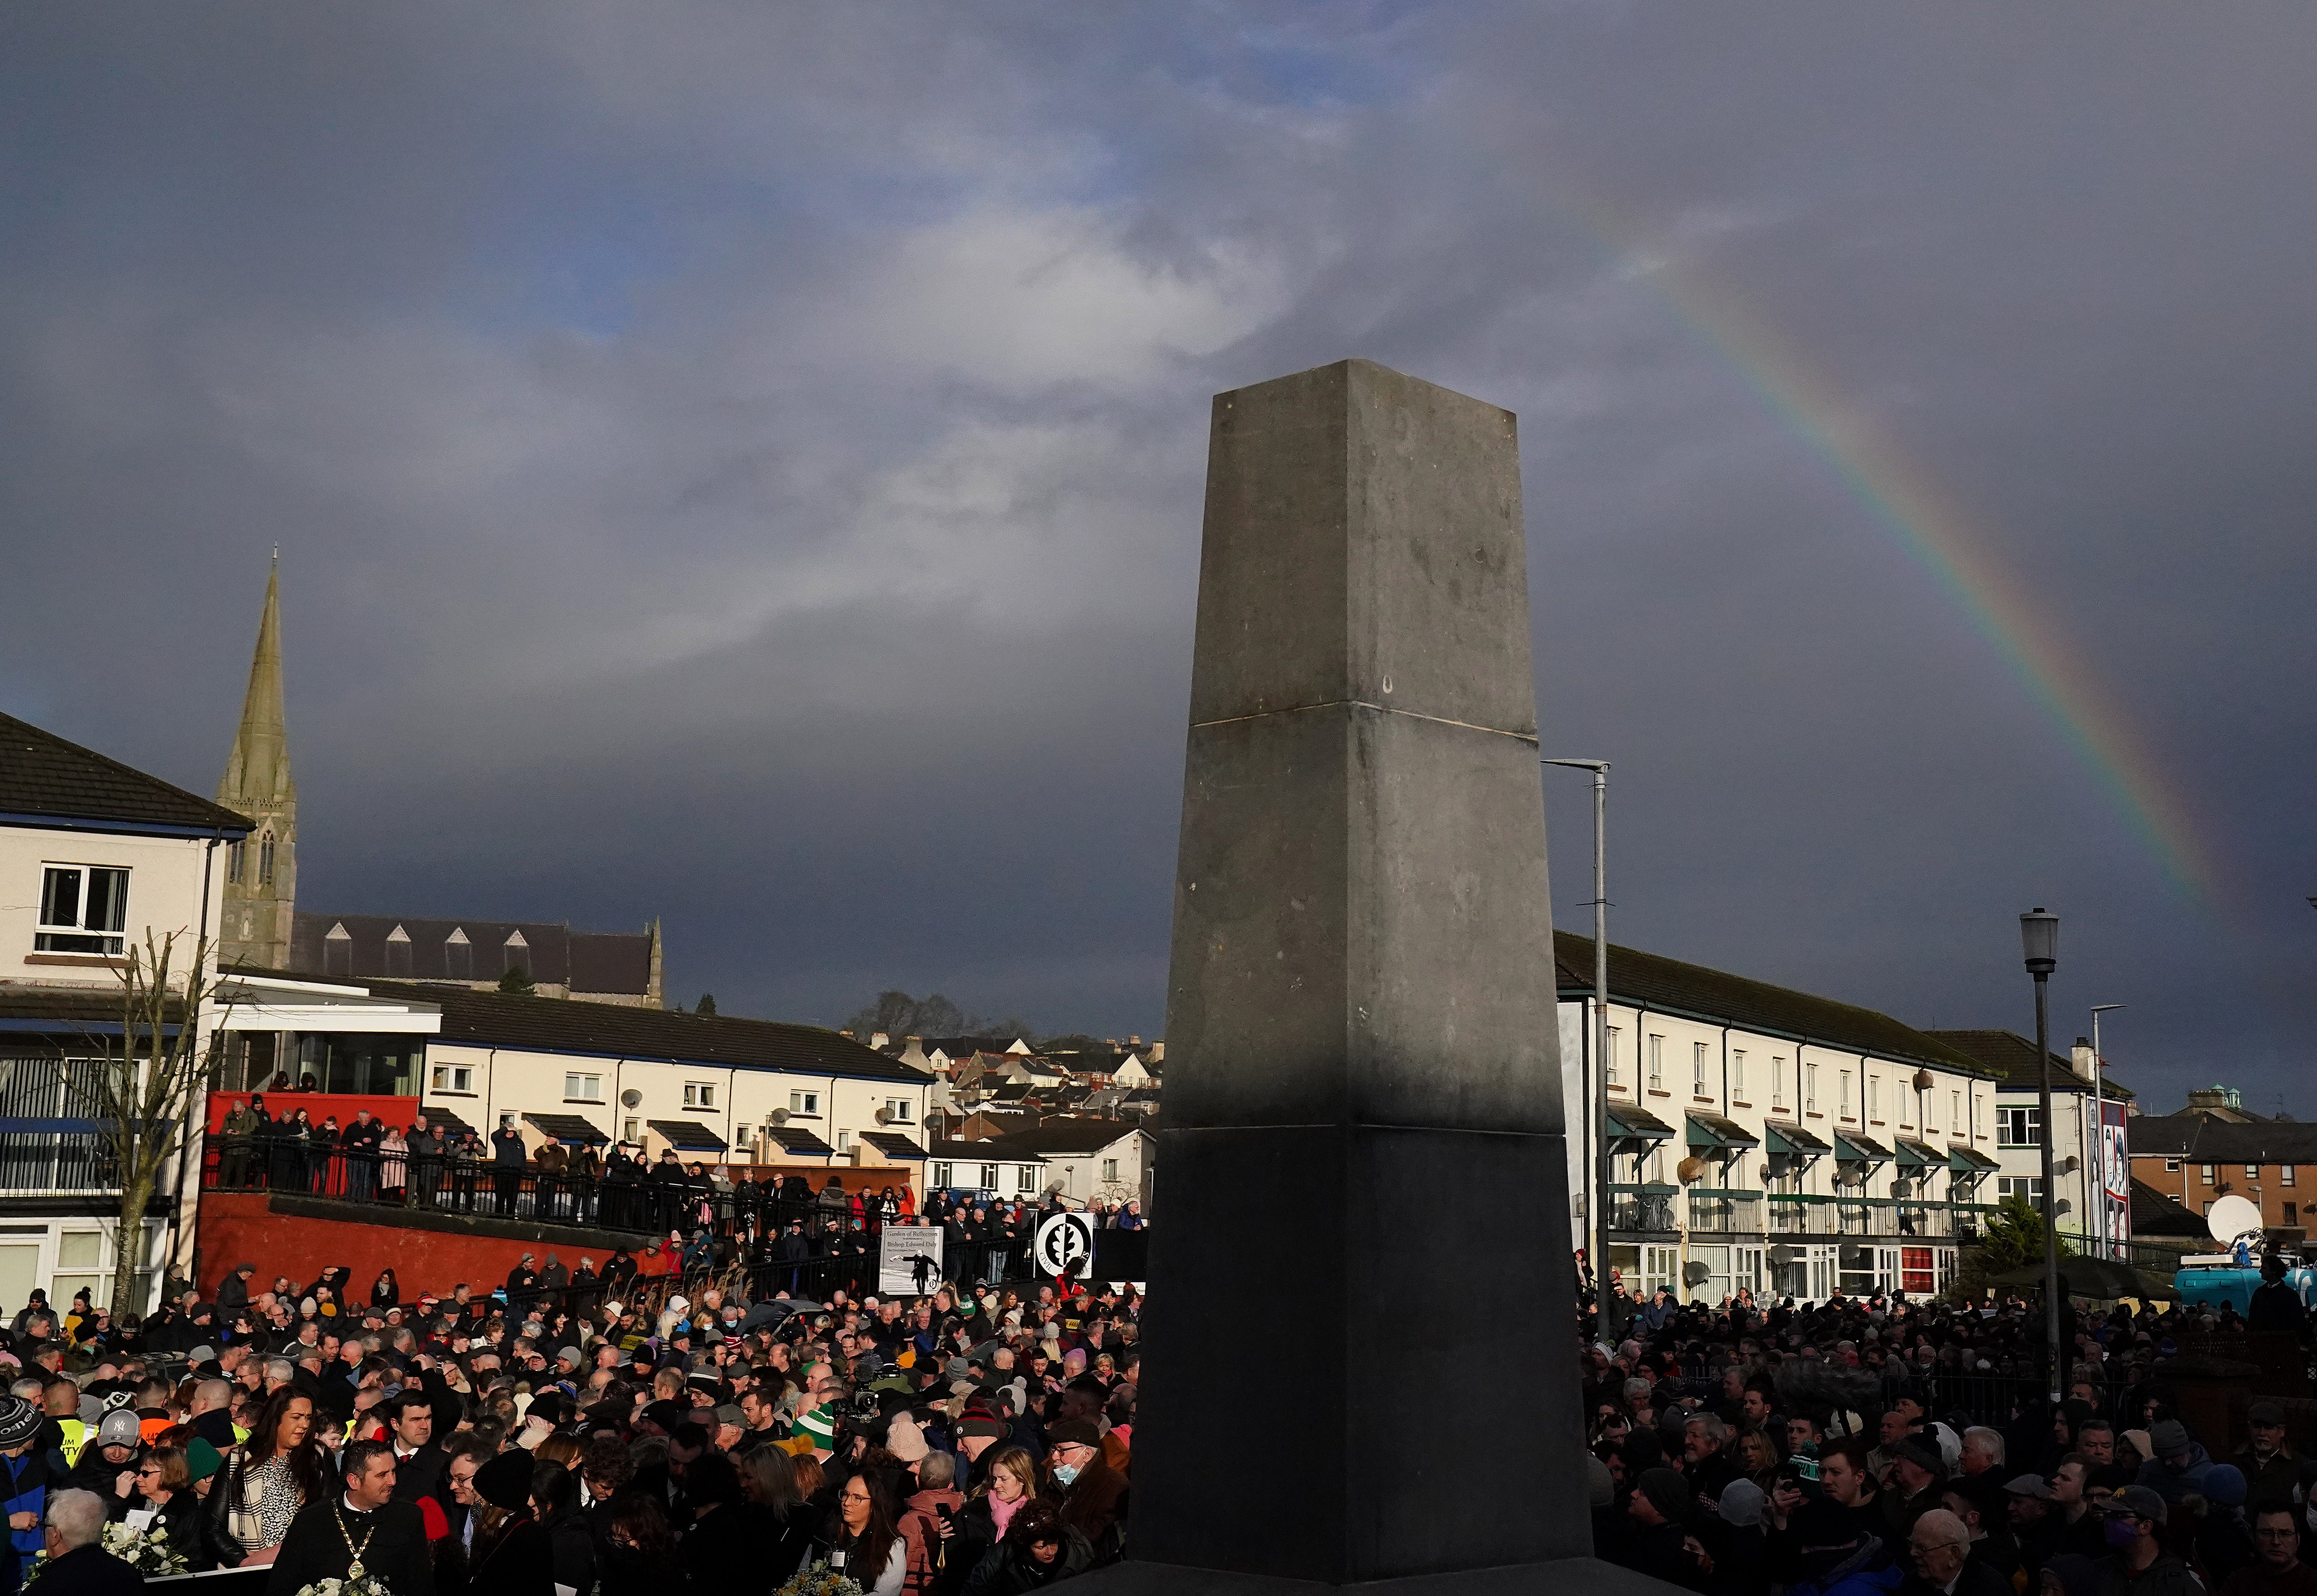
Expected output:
(962, 1443)
(1872, 1444)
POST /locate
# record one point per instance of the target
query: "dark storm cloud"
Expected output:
(741, 463)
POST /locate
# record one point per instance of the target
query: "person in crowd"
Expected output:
(861, 1539)
(1039, 1549)
(1938, 1546)
(359, 1524)
(2138, 1564)
(268, 1479)
(2179, 1465)
(73, 1536)
(2270, 1466)
(2276, 1568)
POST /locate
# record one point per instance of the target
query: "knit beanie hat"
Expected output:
(1741, 1504)
(819, 1428)
(904, 1439)
(2170, 1438)
(1666, 1492)
(20, 1422)
(2224, 1485)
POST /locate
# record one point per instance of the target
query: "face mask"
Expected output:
(1064, 1473)
(2122, 1532)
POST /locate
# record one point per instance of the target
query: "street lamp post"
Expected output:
(1596, 1201)
(2039, 936)
(2099, 1132)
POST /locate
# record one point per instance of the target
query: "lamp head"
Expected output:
(2039, 936)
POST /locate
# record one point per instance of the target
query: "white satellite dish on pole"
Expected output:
(2233, 1216)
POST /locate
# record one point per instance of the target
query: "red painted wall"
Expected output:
(236, 1228)
(318, 1106)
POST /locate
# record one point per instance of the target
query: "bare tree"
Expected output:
(144, 1097)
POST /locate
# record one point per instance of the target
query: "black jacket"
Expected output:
(90, 1571)
(316, 1549)
(1011, 1569)
(422, 1474)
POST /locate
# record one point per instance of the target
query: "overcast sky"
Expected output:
(741, 464)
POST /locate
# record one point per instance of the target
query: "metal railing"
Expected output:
(782, 1233)
(1642, 1209)
(1725, 1213)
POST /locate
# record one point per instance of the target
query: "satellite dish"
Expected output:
(630, 1098)
(884, 1117)
(2232, 1217)
(1695, 1273)
(778, 1116)
(1783, 1254)
(1922, 1081)
(1691, 1171)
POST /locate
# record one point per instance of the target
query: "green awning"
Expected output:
(1916, 1155)
(1714, 1133)
(1791, 1140)
(1970, 1161)
(1850, 1148)
(1629, 1123)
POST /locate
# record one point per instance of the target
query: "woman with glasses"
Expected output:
(861, 1540)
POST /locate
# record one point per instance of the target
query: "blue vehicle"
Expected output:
(2233, 1277)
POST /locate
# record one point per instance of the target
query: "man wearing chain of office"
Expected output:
(362, 1531)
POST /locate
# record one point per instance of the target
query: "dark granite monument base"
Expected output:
(1565, 1577)
(1359, 1336)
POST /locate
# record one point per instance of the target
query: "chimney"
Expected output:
(1157, 1053)
(847, 1035)
(879, 1039)
(2087, 1063)
(1134, 1041)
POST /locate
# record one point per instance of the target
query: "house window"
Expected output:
(897, 1110)
(1846, 1094)
(82, 909)
(2026, 1186)
(1777, 1081)
(845, 1140)
(1809, 1088)
(804, 1102)
(457, 1078)
(1657, 1063)
(1875, 1098)
(2172, 1167)
(942, 1175)
(1025, 1178)
(741, 1134)
(1737, 1073)
(989, 1178)
(2252, 1171)
(699, 1094)
(1697, 1068)
(2019, 1126)
(2285, 1174)
(2292, 1214)
(628, 1128)
(1974, 1116)
(584, 1088)
(1110, 1169)
(2210, 1171)
(1609, 1074)
(1954, 1111)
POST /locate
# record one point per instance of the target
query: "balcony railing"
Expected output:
(1725, 1213)
(1642, 1209)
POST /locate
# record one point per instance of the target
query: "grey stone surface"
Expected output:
(1364, 1165)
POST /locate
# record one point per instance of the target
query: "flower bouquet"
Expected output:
(819, 1580)
(356, 1584)
(147, 1550)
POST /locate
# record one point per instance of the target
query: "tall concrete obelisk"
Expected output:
(1359, 1357)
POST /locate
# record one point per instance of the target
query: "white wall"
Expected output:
(164, 895)
(514, 1081)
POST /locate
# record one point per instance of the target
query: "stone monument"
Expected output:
(1363, 1163)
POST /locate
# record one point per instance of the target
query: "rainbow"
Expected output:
(1940, 536)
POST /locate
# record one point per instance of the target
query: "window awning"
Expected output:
(1715, 1133)
(1917, 1154)
(796, 1140)
(1852, 1148)
(1791, 1140)
(569, 1127)
(893, 1144)
(1629, 1123)
(687, 1136)
(1971, 1161)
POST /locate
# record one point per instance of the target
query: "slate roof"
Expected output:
(45, 780)
(1058, 1136)
(893, 1144)
(687, 1136)
(2010, 1058)
(569, 1127)
(615, 1030)
(796, 1140)
(2153, 1213)
(1669, 985)
(2226, 1142)
(553, 953)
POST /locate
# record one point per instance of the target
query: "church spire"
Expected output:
(258, 770)
(261, 884)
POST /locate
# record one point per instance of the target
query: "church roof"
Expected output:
(46, 781)
(552, 954)
(257, 771)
